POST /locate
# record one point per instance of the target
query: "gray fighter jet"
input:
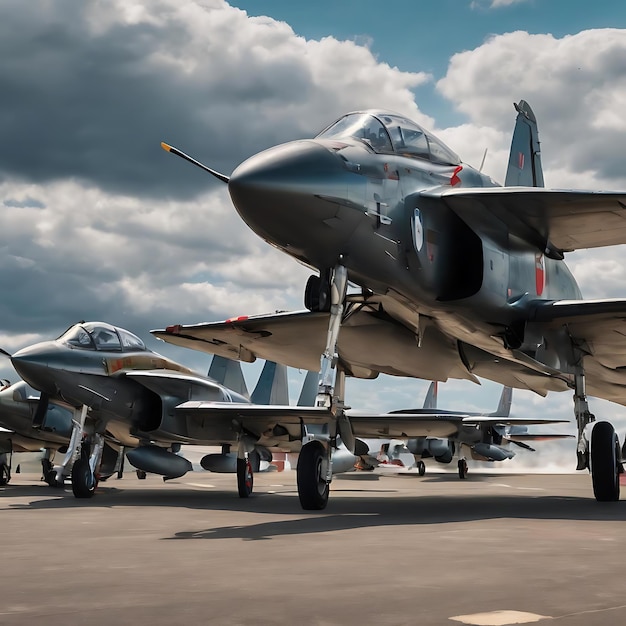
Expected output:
(117, 392)
(456, 276)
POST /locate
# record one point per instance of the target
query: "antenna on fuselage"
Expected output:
(482, 163)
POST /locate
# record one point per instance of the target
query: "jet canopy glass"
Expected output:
(101, 336)
(390, 133)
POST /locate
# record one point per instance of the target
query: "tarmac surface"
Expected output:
(493, 549)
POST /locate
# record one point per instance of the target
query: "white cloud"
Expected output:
(575, 84)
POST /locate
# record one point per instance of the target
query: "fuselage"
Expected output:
(358, 194)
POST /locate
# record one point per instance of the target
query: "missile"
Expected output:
(158, 460)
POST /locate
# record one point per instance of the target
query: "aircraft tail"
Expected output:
(430, 402)
(271, 387)
(525, 158)
(504, 406)
(309, 390)
(228, 373)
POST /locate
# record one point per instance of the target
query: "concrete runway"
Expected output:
(387, 550)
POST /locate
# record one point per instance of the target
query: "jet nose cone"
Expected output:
(277, 192)
(288, 167)
(31, 364)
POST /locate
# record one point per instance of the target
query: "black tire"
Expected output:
(462, 466)
(5, 475)
(605, 455)
(83, 479)
(141, 475)
(317, 292)
(245, 477)
(51, 478)
(312, 293)
(313, 489)
(421, 468)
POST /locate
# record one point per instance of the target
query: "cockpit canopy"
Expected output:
(390, 133)
(101, 336)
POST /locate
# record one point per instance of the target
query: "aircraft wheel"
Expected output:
(141, 475)
(83, 479)
(313, 489)
(51, 478)
(605, 456)
(317, 293)
(421, 468)
(245, 477)
(5, 475)
(462, 465)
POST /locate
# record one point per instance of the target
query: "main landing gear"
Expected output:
(248, 462)
(603, 456)
(313, 480)
(245, 477)
(314, 472)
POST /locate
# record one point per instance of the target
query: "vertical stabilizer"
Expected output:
(228, 373)
(525, 158)
(504, 406)
(430, 402)
(309, 389)
(272, 385)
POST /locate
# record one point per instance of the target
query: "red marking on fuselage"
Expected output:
(540, 273)
(454, 179)
(520, 160)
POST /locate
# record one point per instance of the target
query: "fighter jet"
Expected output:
(117, 391)
(481, 436)
(455, 276)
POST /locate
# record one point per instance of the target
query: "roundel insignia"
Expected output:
(540, 273)
(418, 230)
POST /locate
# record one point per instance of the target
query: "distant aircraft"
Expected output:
(457, 277)
(481, 436)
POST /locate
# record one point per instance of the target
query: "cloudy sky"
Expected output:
(99, 223)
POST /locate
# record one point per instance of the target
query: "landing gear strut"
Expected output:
(314, 462)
